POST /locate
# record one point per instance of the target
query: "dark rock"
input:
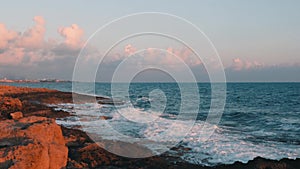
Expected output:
(111, 102)
(9, 105)
(105, 117)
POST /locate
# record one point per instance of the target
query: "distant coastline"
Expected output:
(5, 80)
(54, 80)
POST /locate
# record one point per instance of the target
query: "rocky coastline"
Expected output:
(30, 138)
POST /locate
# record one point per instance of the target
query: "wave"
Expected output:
(222, 147)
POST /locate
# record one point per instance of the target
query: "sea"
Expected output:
(258, 119)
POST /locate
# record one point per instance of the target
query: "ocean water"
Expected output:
(259, 119)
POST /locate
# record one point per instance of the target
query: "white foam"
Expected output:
(223, 146)
(228, 148)
(137, 115)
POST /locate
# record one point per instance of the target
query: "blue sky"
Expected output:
(261, 31)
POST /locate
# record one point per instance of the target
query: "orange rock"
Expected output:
(16, 115)
(32, 142)
(11, 90)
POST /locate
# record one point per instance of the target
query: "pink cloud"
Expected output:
(12, 56)
(6, 36)
(164, 56)
(185, 54)
(129, 49)
(73, 35)
(239, 64)
(151, 51)
(16, 46)
(30, 46)
(33, 38)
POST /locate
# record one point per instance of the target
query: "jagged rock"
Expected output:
(97, 158)
(16, 115)
(32, 142)
(9, 105)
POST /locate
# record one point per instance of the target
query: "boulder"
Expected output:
(16, 115)
(32, 142)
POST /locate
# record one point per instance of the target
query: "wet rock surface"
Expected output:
(36, 141)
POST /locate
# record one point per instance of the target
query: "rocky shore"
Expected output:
(30, 139)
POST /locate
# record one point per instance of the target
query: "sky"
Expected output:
(256, 40)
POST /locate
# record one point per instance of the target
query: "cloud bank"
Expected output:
(30, 47)
(30, 55)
